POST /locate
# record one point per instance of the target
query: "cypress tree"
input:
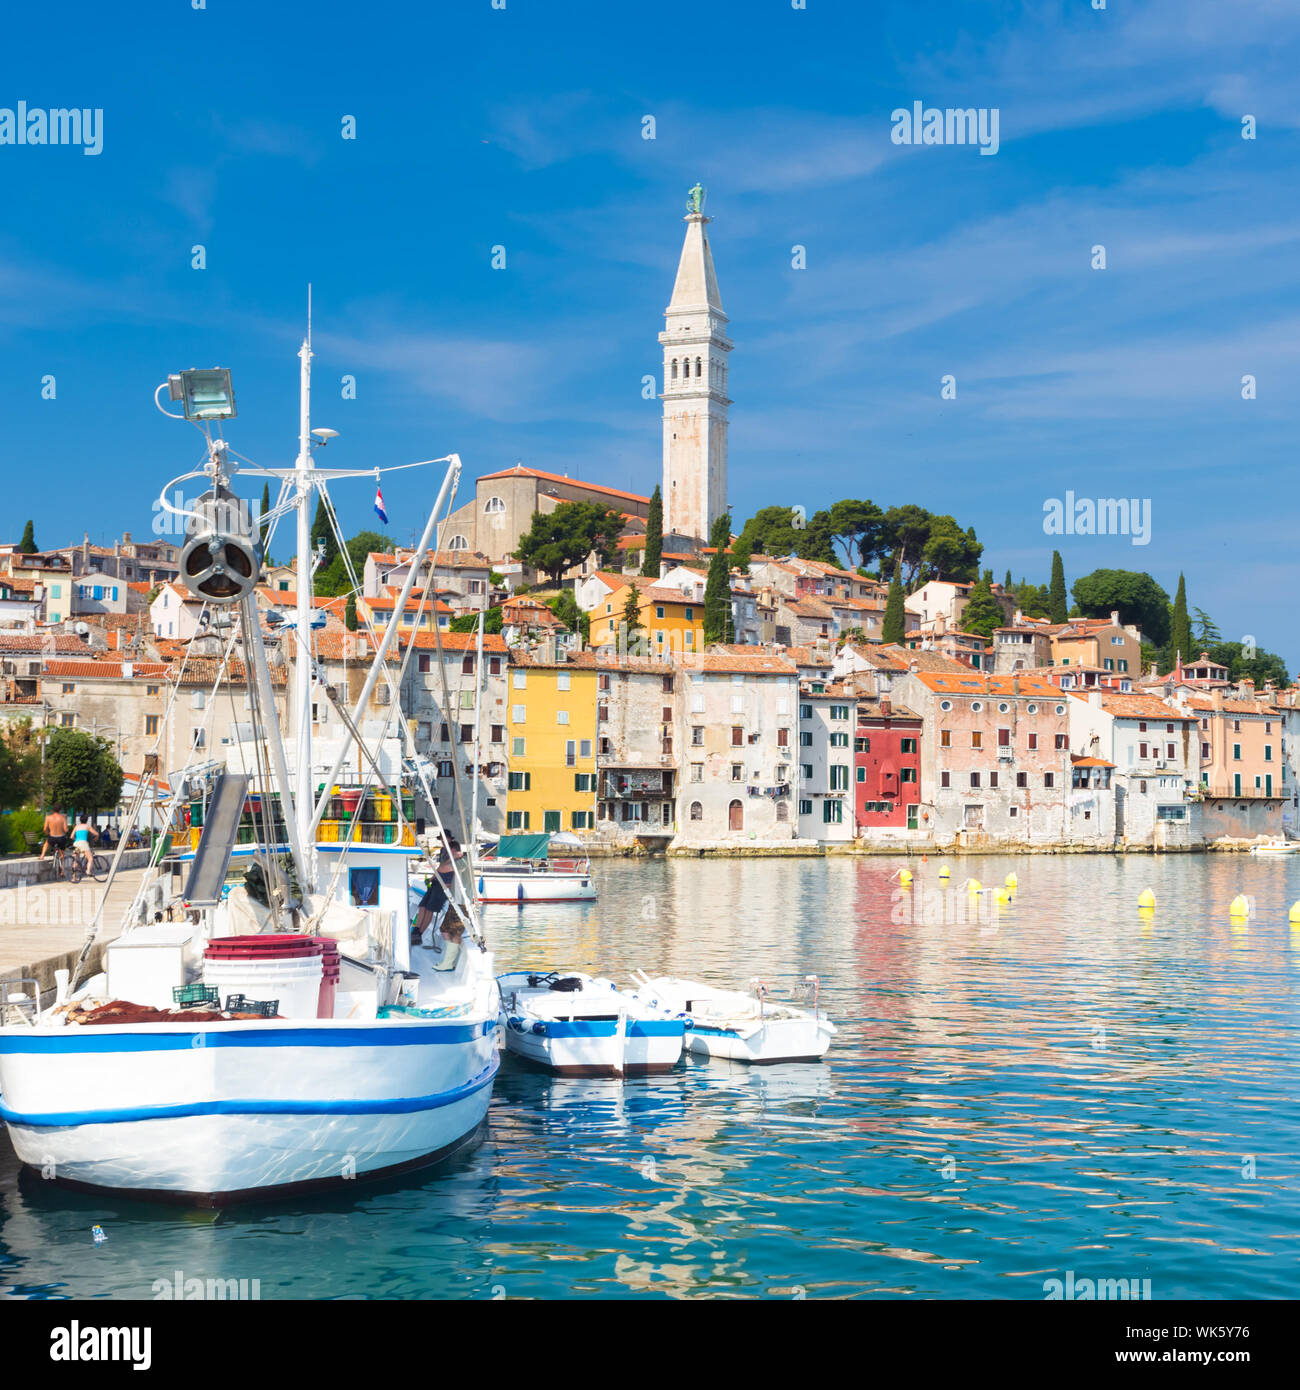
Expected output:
(717, 590)
(350, 613)
(1057, 605)
(1181, 637)
(27, 546)
(894, 628)
(321, 530)
(1007, 586)
(654, 535)
(266, 525)
(632, 610)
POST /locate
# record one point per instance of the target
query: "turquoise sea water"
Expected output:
(1068, 1086)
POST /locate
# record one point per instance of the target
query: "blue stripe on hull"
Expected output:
(226, 1035)
(399, 1105)
(655, 1028)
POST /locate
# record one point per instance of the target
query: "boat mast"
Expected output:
(303, 798)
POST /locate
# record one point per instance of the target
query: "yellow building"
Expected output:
(671, 621)
(551, 709)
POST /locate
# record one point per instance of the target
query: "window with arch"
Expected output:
(494, 504)
(458, 543)
(699, 367)
(697, 811)
(674, 375)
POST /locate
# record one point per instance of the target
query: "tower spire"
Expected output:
(695, 348)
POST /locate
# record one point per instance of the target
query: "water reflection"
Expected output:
(1064, 1083)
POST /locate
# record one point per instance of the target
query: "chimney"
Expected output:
(126, 538)
(1094, 698)
(1114, 616)
(912, 667)
(886, 707)
(128, 670)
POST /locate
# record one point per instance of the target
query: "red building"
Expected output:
(887, 766)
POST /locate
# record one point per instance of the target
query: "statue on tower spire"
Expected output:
(695, 199)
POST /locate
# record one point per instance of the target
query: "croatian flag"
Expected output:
(379, 505)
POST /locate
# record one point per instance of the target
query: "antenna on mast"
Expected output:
(309, 313)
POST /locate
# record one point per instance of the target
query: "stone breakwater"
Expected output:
(893, 849)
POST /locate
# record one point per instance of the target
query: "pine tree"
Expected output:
(1057, 606)
(654, 535)
(894, 628)
(717, 589)
(350, 613)
(27, 546)
(1007, 586)
(321, 530)
(1180, 639)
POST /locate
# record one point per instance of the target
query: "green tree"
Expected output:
(1137, 598)
(894, 626)
(1033, 600)
(1180, 638)
(558, 540)
(983, 612)
(1260, 667)
(27, 546)
(857, 527)
(468, 622)
(81, 771)
(20, 766)
(1206, 632)
(654, 535)
(632, 611)
(817, 540)
(1007, 586)
(1057, 609)
(741, 554)
(565, 607)
(350, 612)
(265, 528)
(323, 532)
(332, 579)
(717, 588)
(771, 531)
(949, 552)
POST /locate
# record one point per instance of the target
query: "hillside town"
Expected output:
(590, 692)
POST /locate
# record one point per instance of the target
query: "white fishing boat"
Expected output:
(256, 1036)
(537, 868)
(1274, 847)
(749, 1027)
(575, 1025)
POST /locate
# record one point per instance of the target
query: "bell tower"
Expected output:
(695, 400)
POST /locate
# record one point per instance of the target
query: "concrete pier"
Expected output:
(43, 926)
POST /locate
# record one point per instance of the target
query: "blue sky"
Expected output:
(522, 127)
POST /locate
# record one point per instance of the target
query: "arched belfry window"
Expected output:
(698, 367)
(674, 377)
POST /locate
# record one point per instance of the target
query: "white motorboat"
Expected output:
(1272, 847)
(579, 1026)
(527, 869)
(749, 1027)
(252, 1037)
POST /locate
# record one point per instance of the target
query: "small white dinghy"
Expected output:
(575, 1025)
(1276, 846)
(747, 1027)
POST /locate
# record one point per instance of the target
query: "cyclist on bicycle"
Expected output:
(56, 832)
(81, 843)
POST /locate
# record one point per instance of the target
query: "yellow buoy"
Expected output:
(973, 885)
(1002, 895)
(905, 877)
(1239, 906)
(1146, 898)
(1011, 881)
(944, 871)
(1295, 911)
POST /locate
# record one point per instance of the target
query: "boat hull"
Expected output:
(590, 1047)
(784, 1040)
(219, 1114)
(535, 888)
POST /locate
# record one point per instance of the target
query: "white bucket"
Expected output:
(295, 982)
